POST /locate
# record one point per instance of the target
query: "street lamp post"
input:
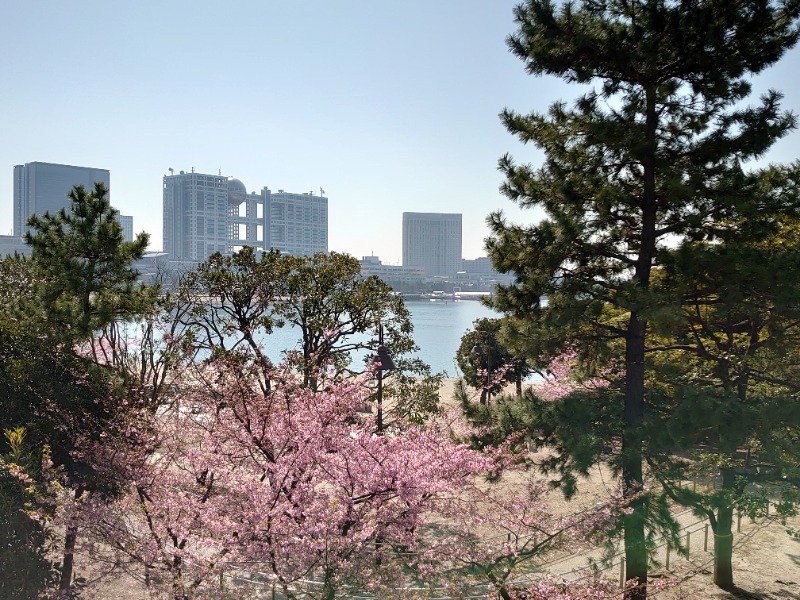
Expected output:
(383, 361)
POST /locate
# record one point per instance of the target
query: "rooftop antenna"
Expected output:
(171, 170)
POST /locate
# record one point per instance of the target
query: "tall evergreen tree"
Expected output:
(486, 361)
(650, 154)
(85, 284)
(724, 380)
(84, 262)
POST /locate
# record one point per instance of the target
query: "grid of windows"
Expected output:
(195, 211)
(43, 187)
(298, 223)
(432, 241)
(207, 213)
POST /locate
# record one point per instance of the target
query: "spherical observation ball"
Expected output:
(236, 191)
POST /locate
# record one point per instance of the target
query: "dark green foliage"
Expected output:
(62, 304)
(650, 155)
(232, 303)
(483, 348)
(328, 301)
(725, 383)
(84, 263)
(228, 302)
(51, 392)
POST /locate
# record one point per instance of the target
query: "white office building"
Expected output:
(195, 215)
(297, 223)
(432, 241)
(41, 187)
(204, 214)
(372, 265)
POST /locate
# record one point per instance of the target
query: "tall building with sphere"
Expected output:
(204, 214)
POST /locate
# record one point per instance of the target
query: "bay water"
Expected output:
(438, 328)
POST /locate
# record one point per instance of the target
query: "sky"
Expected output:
(388, 106)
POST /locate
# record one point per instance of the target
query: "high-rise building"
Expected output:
(433, 241)
(127, 227)
(195, 215)
(41, 187)
(208, 213)
(297, 224)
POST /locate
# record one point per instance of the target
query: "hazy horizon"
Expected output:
(389, 108)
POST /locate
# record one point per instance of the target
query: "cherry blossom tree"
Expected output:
(292, 480)
(559, 380)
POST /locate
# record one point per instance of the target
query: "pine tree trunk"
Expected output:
(723, 539)
(632, 476)
(635, 345)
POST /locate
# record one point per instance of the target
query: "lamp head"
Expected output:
(384, 358)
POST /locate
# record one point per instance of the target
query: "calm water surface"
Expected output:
(438, 327)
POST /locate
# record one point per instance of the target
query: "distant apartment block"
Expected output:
(432, 241)
(372, 265)
(204, 214)
(41, 187)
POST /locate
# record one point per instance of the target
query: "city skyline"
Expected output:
(389, 110)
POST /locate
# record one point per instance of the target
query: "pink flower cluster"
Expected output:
(292, 479)
(559, 378)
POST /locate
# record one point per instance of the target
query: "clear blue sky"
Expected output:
(389, 106)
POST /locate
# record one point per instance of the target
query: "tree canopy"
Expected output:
(84, 262)
(651, 155)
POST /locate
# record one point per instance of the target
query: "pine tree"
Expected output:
(651, 153)
(486, 362)
(724, 381)
(85, 284)
(85, 263)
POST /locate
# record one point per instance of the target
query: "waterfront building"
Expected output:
(246, 216)
(204, 214)
(13, 244)
(297, 223)
(392, 274)
(432, 241)
(41, 187)
(195, 215)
